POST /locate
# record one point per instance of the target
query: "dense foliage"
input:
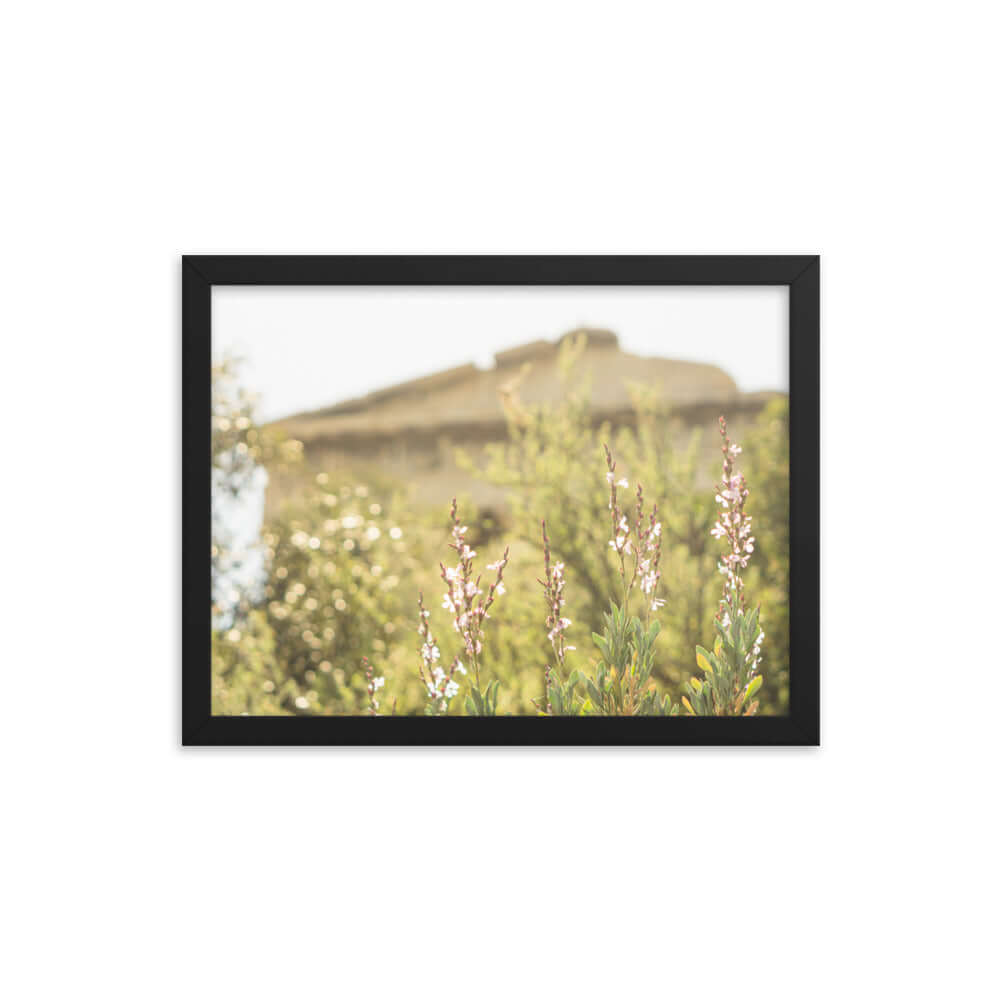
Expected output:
(360, 603)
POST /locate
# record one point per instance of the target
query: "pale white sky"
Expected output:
(308, 347)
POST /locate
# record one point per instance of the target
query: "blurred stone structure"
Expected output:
(410, 431)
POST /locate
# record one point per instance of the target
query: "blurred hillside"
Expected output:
(410, 432)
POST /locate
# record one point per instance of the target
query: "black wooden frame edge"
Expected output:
(488, 269)
(804, 504)
(196, 516)
(801, 727)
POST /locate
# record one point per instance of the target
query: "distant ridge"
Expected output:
(409, 430)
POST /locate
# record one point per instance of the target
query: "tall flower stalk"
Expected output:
(372, 684)
(637, 545)
(553, 585)
(440, 684)
(555, 621)
(731, 671)
(623, 683)
(733, 524)
(469, 606)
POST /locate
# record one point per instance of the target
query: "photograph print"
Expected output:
(458, 501)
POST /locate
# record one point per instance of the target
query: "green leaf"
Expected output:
(595, 695)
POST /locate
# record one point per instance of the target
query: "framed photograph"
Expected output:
(480, 500)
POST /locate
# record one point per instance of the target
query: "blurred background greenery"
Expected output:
(333, 573)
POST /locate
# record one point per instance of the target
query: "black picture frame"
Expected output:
(200, 273)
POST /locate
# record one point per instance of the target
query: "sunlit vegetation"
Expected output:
(352, 600)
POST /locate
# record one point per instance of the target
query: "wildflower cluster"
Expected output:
(620, 540)
(648, 551)
(553, 585)
(753, 657)
(730, 672)
(734, 523)
(555, 621)
(642, 540)
(623, 683)
(373, 684)
(464, 597)
(441, 685)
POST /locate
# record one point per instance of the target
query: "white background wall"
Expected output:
(133, 132)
